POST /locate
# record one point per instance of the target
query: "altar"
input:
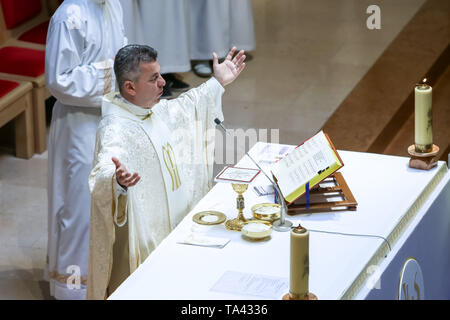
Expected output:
(402, 214)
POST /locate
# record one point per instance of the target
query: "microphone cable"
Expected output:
(352, 235)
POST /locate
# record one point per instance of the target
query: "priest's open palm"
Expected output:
(123, 176)
(227, 71)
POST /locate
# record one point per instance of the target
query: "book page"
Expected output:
(304, 163)
(271, 153)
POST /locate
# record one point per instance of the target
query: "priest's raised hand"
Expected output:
(124, 178)
(227, 71)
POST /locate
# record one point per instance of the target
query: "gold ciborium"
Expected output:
(237, 223)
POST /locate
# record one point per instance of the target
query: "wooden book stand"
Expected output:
(323, 199)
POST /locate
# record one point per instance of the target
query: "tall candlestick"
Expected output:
(423, 135)
(298, 287)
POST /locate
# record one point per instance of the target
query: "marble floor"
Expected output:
(308, 57)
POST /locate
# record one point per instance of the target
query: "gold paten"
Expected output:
(198, 217)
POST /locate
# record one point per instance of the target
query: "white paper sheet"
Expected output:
(251, 284)
(204, 241)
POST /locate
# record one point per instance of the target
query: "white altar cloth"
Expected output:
(390, 196)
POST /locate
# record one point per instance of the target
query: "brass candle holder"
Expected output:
(423, 160)
(237, 223)
(309, 296)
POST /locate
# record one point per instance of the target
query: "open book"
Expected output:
(310, 162)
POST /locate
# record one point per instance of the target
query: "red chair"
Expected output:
(15, 103)
(38, 34)
(23, 61)
(23, 64)
(25, 21)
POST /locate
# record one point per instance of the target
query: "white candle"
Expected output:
(298, 285)
(423, 136)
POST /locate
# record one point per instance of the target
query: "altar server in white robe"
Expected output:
(163, 25)
(82, 40)
(153, 162)
(218, 26)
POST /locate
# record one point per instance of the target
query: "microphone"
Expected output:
(281, 224)
(217, 121)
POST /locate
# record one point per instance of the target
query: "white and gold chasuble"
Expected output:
(171, 147)
(160, 138)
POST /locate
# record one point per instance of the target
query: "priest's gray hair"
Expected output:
(128, 60)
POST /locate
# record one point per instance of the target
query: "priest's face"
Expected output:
(149, 86)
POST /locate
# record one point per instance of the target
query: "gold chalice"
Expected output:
(237, 223)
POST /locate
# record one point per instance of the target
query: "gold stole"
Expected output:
(171, 165)
(177, 198)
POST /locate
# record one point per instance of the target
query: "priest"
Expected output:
(153, 162)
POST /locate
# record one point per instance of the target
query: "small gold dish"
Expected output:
(266, 211)
(209, 218)
(256, 229)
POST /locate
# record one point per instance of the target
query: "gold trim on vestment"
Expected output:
(147, 116)
(108, 81)
(169, 160)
